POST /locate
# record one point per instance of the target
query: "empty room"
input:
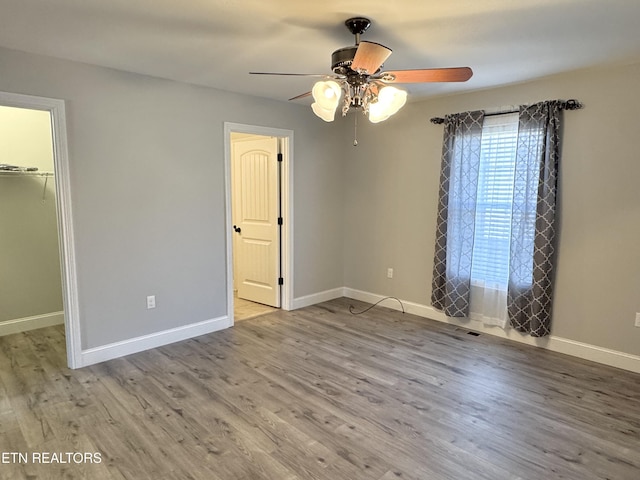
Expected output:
(319, 241)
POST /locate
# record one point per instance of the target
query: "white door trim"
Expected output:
(65, 219)
(287, 208)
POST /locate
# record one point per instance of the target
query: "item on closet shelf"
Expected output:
(4, 167)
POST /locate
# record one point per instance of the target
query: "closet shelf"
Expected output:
(11, 173)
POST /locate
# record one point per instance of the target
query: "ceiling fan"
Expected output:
(358, 80)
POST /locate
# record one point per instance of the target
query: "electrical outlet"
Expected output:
(637, 319)
(389, 272)
(151, 301)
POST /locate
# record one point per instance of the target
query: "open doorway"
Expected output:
(39, 291)
(259, 221)
(30, 279)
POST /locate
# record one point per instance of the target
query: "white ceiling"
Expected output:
(217, 42)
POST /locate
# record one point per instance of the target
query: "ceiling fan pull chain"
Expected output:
(355, 130)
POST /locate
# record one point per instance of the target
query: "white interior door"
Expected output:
(255, 216)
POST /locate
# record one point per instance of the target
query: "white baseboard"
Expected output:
(557, 344)
(134, 345)
(586, 351)
(18, 325)
(320, 297)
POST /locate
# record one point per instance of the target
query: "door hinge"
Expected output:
(279, 220)
(279, 157)
(280, 281)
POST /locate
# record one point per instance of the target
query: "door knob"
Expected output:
(237, 229)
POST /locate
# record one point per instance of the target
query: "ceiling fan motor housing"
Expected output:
(342, 59)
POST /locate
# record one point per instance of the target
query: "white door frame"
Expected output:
(287, 208)
(63, 207)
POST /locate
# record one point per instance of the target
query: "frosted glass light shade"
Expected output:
(328, 115)
(327, 97)
(390, 100)
(377, 113)
(327, 93)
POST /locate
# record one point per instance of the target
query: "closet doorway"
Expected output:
(258, 199)
(31, 292)
(37, 274)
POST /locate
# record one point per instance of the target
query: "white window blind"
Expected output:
(490, 264)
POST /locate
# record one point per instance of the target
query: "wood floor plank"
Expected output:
(322, 394)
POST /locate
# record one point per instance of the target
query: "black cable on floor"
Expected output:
(351, 307)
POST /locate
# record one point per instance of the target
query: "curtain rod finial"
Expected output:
(572, 104)
(437, 120)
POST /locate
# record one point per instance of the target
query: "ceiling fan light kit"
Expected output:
(358, 82)
(376, 101)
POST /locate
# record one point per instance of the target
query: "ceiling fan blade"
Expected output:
(369, 57)
(291, 74)
(459, 74)
(302, 95)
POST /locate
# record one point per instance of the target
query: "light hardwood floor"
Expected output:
(320, 394)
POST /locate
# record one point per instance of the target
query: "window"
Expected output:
(491, 243)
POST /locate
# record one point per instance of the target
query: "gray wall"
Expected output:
(147, 179)
(391, 199)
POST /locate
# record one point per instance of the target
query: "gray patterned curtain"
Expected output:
(456, 213)
(534, 207)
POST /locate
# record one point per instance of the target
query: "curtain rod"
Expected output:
(571, 104)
